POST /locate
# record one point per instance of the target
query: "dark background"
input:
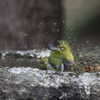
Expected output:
(33, 24)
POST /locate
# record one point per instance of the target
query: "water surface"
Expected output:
(19, 62)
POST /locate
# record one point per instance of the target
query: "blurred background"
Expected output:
(33, 24)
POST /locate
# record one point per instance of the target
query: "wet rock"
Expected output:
(34, 84)
(36, 53)
(89, 57)
(95, 92)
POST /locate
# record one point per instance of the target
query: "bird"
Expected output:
(45, 65)
(66, 55)
(44, 62)
(60, 58)
(55, 60)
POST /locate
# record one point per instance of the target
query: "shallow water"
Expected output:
(19, 62)
(30, 58)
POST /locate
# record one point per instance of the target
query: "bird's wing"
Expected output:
(67, 65)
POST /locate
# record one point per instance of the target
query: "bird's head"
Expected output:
(64, 48)
(43, 62)
(63, 42)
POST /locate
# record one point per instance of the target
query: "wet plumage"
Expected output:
(45, 65)
(55, 61)
(66, 55)
(44, 62)
(60, 59)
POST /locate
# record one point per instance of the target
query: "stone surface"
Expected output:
(20, 83)
(36, 53)
(34, 84)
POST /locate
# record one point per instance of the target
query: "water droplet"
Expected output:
(57, 30)
(90, 45)
(25, 46)
(77, 49)
(74, 39)
(33, 45)
(87, 41)
(72, 25)
(63, 21)
(82, 45)
(71, 29)
(53, 29)
(55, 23)
(45, 39)
(25, 34)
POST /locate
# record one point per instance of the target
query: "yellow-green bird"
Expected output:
(66, 55)
(45, 65)
(55, 60)
(44, 62)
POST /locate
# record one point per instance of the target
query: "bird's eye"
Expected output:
(62, 48)
(63, 43)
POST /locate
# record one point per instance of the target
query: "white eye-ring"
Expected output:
(62, 48)
(63, 43)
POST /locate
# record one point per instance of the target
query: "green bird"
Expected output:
(66, 55)
(55, 60)
(45, 65)
(44, 62)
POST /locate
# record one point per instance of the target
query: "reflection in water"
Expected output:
(13, 62)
